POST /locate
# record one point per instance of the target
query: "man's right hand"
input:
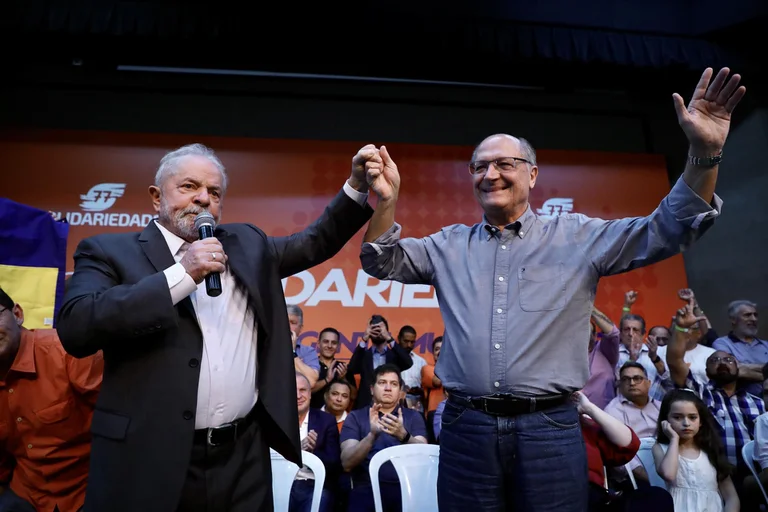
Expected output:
(204, 257)
(374, 419)
(630, 298)
(382, 175)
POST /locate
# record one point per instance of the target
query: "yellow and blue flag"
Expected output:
(33, 256)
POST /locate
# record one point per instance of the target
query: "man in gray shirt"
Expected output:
(516, 293)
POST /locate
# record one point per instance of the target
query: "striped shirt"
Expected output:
(735, 416)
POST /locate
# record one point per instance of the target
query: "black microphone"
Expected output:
(204, 224)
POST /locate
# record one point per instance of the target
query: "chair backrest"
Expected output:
(748, 454)
(645, 455)
(284, 473)
(416, 467)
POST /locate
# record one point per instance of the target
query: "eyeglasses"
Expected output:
(635, 379)
(726, 359)
(503, 164)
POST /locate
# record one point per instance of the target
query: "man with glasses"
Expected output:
(46, 405)
(516, 292)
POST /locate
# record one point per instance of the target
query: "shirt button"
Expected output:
(188, 415)
(10, 390)
(503, 246)
(496, 384)
(499, 310)
(29, 446)
(18, 420)
(522, 233)
(193, 362)
(501, 278)
(497, 346)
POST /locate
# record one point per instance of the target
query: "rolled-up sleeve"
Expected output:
(615, 246)
(390, 258)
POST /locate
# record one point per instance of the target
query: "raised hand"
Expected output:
(685, 294)
(630, 298)
(685, 317)
(382, 175)
(203, 257)
(707, 118)
(373, 419)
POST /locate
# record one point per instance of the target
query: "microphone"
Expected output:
(204, 224)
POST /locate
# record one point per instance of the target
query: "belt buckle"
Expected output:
(209, 436)
(486, 400)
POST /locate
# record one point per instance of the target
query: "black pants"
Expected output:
(644, 499)
(234, 477)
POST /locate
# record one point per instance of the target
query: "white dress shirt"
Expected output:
(412, 376)
(761, 440)
(227, 388)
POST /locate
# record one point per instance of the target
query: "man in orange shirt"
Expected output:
(46, 404)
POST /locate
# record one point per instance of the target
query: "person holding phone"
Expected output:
(383, 350)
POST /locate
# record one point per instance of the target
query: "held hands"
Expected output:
(379, 171)
(204, 257)
(707, 118)
(669, 431)
(308, 443)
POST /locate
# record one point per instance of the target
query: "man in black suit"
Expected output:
(320, 436)
(365, 360)
(195, 387)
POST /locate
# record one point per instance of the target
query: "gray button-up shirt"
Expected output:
(516, 302)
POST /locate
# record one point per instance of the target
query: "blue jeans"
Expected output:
(301, 497)
(532, 462)
(10, 502)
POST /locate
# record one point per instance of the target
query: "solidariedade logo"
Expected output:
(94, 204)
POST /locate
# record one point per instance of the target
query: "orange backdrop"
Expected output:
(99, 182)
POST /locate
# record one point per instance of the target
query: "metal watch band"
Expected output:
(705, 161)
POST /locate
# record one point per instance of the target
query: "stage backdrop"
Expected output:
(98, 181)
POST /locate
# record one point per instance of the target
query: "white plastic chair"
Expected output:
(748, 454)
(416, 467)
(284, 473)
(645, 455)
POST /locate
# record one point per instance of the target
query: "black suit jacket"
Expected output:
(118, 301)
(327, 447)
(361, 364)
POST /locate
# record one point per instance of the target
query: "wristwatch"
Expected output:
(706, 161)
(658, 358)
(406, 438)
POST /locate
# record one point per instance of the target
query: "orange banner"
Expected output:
(98, 181)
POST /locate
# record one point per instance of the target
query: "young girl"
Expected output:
(690, 458)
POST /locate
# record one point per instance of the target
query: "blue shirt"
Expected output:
(516, 302)
(358, 425)
(308, 356)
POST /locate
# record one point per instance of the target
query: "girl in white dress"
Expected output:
(690, 458)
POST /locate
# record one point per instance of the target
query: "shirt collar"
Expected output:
(736, 339)
(174, 241)
(25, 357)
(521, 226)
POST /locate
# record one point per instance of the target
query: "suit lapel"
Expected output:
(241, 265)
(156, 249)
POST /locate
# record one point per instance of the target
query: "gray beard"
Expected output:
(180, 223)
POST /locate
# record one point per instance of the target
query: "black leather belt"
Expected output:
(225, 434)
(508, 405)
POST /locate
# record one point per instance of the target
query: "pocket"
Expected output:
(451, 414)
(54, 413)
(563, 418)
(110, 425)
(542, 287)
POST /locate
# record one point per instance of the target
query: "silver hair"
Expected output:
(525, 147)
(169, 163)
(733, 307)
(296, 311)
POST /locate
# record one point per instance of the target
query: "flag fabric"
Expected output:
(33, 256)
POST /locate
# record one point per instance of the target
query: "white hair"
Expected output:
(525, 147)
(735, 306)
(169, 164)
(296, 311)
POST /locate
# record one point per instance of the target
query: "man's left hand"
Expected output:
(393, 425)
(707, 118)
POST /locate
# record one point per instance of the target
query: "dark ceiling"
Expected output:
(554, 44)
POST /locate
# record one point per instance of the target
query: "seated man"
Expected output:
(305, 359)
(368, 431)
(337, 400)
(635, 408)
(48, 398)
(320, 436)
